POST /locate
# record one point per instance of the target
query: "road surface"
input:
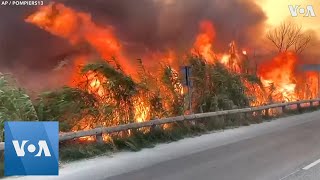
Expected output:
(283, 149)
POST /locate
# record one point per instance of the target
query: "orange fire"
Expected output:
(278, 74)
(204, 41)
(142, 108)
(78, 27)
(203, 46)
(311, 85)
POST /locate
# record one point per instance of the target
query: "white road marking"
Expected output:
(290, 174)
(305, 168)
(311, 165)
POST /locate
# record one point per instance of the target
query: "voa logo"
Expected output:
(31, 148)
(305, 11)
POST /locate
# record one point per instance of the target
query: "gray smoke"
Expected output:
(158, 24)
(23, 44)
(142, 25)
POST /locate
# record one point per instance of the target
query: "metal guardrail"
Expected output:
(102, 130)
(99, 131)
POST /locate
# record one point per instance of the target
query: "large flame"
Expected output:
(204, 41)
(203, 46)
(78, 27)
(277, 75)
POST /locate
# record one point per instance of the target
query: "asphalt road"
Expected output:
(283, 149)
(278, 155)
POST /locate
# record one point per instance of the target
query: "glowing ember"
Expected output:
(225, 59)
(87, 138)
(142, 109)
(95, 83)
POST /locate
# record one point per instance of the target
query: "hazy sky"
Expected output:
(278, 10)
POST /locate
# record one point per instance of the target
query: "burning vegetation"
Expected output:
(107, 88)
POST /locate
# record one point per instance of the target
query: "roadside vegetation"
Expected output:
(116, 100)
(75, 150)
(106, 96)
(215, 86)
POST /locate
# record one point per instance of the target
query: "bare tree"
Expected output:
(289, 36)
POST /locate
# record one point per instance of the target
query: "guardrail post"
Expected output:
(246, 115)
(283, 109)
(266, 113)
(99, 138)
(299, 107)
(258, 114)
(154, 128)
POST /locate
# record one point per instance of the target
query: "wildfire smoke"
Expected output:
(278, 75)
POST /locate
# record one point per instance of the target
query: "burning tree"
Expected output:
(280, 77)
(289, 37)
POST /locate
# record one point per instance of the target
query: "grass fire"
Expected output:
(107, 86)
